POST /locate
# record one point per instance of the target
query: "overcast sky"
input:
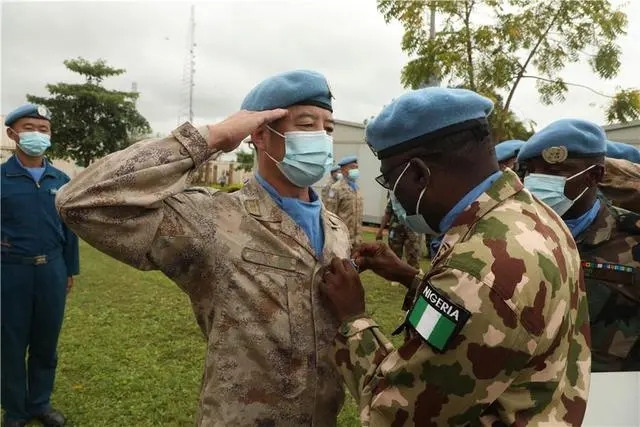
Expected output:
(240, 42)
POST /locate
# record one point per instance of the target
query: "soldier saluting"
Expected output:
(248, 260)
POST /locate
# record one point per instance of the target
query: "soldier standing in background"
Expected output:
(336, 175)
(621, 182)
(565, 163)
(507, 154)
(402, 240)
(345, 198)
(39, 260)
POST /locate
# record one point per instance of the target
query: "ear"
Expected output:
(259, 137)
(12, 134)
(596, 175)
(421, 171)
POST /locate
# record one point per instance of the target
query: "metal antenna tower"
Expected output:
(189, 70)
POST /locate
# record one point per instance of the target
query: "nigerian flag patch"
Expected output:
(436, 319)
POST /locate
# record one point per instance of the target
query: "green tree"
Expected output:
(244, 160)
(519, 39)
(88, 120)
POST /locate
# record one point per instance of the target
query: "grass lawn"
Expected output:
(131, 353)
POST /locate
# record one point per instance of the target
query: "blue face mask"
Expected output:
(415, 222)
(308, 156)
(354, 174)
(34, 143)
(550, 190)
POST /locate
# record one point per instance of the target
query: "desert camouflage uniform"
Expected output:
(348, 204)
(621, 184)
(402, 239)
(324, 192)
(510, 266)
(609, 245)
(249, 270)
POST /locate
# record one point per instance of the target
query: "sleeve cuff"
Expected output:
(357, 324)
(195, 141)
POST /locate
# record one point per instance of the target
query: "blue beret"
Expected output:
(335, 168)
(508, 149)
(300, 87)
(346, 160)
(565, 138)
(425, 111)
(27, 110)
(619, 150)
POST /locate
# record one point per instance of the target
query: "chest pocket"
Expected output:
(266, 259)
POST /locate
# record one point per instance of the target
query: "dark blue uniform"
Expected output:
(39, 253)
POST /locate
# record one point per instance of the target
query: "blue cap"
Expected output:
(27, 110)
(620, 150)
(335, 168)
(508, 149)
(425, 111)
(565, 138)
(300, 87)
(346, 160)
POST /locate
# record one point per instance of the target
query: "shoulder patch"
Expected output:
(436, 318)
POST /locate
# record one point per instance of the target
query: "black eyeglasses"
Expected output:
(380, 179)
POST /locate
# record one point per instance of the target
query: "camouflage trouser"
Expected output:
(401, 239)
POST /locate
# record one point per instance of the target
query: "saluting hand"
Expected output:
(229, 133)
(343, 289)
(379, 258)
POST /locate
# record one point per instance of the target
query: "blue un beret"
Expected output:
(335, 168)
(565, 138)
(346, 160)
(300, 87)
(424, 111)
(28, 110)
(508, 149)
(620, 150)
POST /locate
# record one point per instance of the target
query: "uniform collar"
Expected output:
(259, 204)
(600, 230)
(506, 186)
(15, 168)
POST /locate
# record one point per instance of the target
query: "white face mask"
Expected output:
(308, 156)
(550, 190)
(415, 222)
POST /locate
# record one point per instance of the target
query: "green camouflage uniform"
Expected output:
(250, 272)
(504, 327)
(402, 239)
(607, 248)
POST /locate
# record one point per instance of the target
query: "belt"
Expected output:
(9, 258)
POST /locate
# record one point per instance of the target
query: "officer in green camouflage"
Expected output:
(497, 332)
(565, 163)
(402, 240)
